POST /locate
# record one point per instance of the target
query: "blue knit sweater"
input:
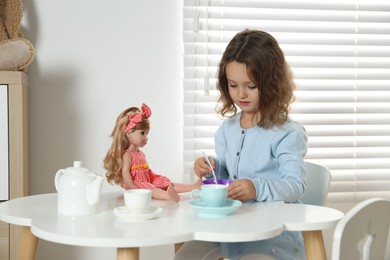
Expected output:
(271, 158)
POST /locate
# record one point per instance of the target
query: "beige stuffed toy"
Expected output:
(16, 53)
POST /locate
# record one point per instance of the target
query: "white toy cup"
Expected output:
(137, 201)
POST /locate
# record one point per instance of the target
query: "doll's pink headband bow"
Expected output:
(137, 118)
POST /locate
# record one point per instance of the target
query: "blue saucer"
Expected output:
(215, 212)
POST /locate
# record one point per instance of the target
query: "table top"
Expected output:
(177, 223)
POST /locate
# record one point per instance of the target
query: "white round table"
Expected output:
(177, 223)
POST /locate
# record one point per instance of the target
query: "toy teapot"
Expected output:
(78, 190)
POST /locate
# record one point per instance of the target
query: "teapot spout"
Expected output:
(93, 190)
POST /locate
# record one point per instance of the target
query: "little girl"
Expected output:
(126, 165)
(258, 145)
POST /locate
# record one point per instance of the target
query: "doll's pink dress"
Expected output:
(143, 177)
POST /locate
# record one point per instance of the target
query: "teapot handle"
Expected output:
(57, 178)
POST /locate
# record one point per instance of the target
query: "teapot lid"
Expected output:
(77, 164)
(77, 168)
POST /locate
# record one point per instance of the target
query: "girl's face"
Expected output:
(242, 90)
(138, 138)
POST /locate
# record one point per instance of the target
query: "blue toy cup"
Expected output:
(210, 195)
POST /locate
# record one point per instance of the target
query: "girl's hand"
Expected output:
(201, 167)
(242, 190)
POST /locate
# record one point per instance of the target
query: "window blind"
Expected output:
(339, 52)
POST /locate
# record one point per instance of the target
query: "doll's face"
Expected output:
(138, 138)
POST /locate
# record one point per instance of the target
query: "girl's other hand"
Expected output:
(201, 167)
(242, 190)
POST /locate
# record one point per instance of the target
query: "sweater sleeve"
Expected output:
(289, 149)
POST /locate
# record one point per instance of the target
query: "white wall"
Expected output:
(94, 59)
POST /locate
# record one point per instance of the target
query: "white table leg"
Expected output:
(127, 253)
(28, 245)
(314, 243)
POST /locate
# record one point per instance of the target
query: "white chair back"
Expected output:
(363, 232)
(318, 180)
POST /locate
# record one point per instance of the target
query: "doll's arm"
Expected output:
(126, 165)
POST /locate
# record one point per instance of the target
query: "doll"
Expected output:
(126, 164)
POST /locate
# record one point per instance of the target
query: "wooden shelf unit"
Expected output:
(18, 159)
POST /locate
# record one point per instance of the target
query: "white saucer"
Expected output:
(216, 212)
(123, 214)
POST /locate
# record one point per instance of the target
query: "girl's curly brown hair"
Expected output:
(267, 68)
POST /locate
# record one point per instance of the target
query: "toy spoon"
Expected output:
(209, 163)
